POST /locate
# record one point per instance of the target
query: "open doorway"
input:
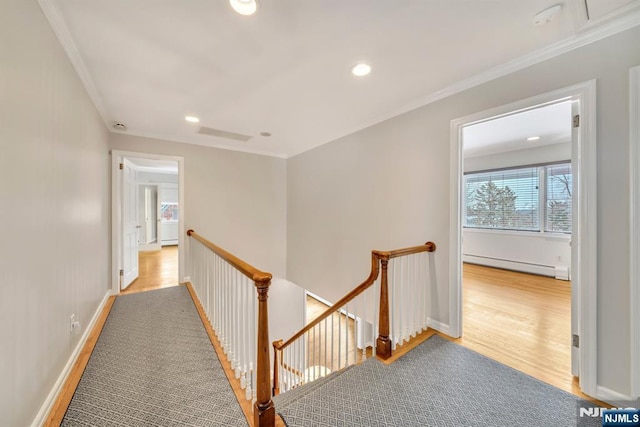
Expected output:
(148, 208)
(516, 239)
(531, 210)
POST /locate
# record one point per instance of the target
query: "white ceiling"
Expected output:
(552, 123)
(286, 69)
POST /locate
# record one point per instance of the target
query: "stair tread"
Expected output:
(284, 399)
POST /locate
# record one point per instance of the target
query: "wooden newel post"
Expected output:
(264, 413)
(383, 343)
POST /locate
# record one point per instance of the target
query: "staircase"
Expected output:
(386, 310)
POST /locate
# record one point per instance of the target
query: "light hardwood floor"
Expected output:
(157, 269)
(521, 320)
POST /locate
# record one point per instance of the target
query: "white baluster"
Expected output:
(423, 291)
(346, 335)
(332, 340)
(285, 360)
(237, 313)
(403, 297)
(376, 311)
(324, 342)
(248, 393)
(363, 320)
(247, 339)
(393, 305)
(314, 353)
(355, 330)
(339, 339)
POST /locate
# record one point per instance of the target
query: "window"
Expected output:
(534, 198)
(169, 211)
(558, 198)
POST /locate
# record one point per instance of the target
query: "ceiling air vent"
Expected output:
(224, 134)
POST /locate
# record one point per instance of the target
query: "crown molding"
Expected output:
(207, 144)
(589, 33)
(586, 33)
(61, 30)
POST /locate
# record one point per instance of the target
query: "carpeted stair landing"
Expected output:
(439, 383)
(154, 365)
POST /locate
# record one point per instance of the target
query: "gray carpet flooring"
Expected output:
(154, 365)
(439, 383)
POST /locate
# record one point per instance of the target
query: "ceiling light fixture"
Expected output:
(533, 138)
(119, 126)
(244, 7)
(361, 69)
(192, 119)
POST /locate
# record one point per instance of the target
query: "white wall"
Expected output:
(287, 309)
(54, 221)
(236, 200)
(521, 251)
(387, 186)
(537, 253)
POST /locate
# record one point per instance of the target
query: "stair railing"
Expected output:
(225, 287)
(344, 333)
(404, 310)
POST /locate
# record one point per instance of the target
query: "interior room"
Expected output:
(317, 145)
(516, 238)
(158, 212)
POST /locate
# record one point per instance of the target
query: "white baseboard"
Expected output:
(439, 326)
(542, 270)
(57, 387)
(611, 397)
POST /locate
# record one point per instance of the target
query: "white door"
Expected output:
(575, 243)
(129, 224)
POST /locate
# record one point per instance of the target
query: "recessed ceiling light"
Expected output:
(119, 126)
(533, 138)
(192, 119)
(361, 69)
(265, 134)
(244, 7)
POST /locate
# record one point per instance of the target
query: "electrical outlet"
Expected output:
(73, 323)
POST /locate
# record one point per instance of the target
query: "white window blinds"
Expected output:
(558, 198)
(511, 199)
(506, 199)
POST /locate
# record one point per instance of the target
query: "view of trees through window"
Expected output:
(512, 199)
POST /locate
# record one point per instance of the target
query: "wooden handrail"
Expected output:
(279, 345)
(427, 247)
(379, 262)
(245, 268)
(264, 412)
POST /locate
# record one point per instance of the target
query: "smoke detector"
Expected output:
(119, 126)
(547, 15)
